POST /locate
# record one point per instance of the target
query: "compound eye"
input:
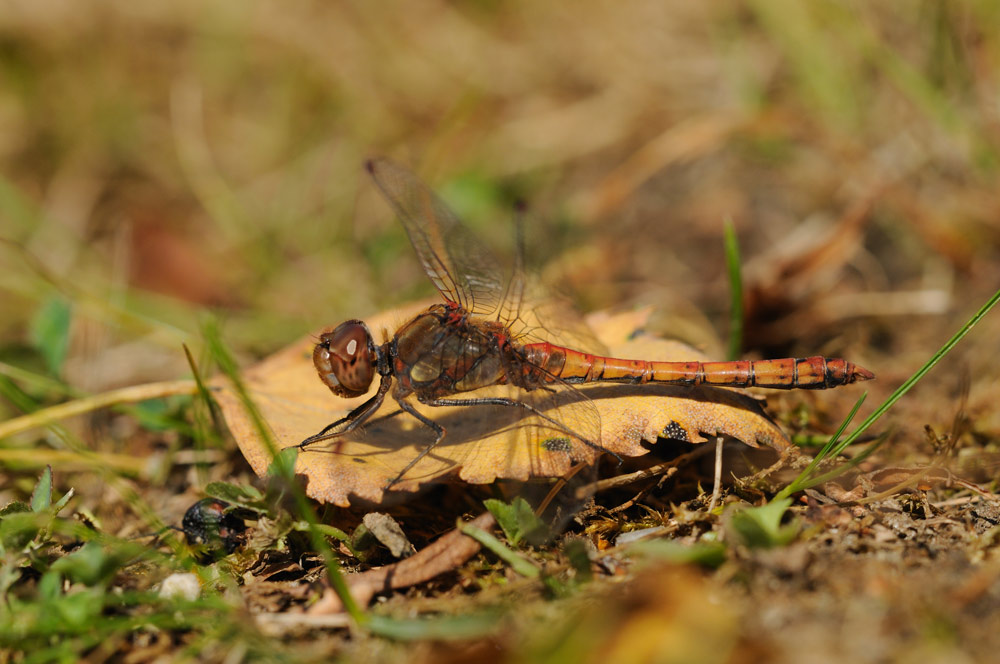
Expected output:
(344, 359)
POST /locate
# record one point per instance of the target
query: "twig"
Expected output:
(123, 463)
(955, 502)
(558, 486)
(639, 475)
(276, 624)
(717, 486)
(445, 554)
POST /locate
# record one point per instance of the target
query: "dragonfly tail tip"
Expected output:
(860, 374)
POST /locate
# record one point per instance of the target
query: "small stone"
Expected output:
(183, 586)
(387, 531)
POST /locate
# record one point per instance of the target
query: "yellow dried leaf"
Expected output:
(482, 443)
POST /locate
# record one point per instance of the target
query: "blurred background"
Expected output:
(167, 162)
(169, 157)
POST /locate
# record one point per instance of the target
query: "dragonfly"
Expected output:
(486, 333)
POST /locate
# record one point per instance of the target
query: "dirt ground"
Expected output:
(187, 174)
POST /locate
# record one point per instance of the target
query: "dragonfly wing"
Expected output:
(557, 438)
(549, 317)
(466, 273)
(461, 268)
(559, 429)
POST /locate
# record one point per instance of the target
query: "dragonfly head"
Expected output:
(345, 359)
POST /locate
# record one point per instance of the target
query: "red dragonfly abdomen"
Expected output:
(572, 366)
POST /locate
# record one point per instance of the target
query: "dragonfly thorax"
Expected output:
(346, 359)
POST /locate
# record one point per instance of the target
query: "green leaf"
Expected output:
(283, 464)
(326, 530)
(17, 529)
(154, 415)
(443, 628)
(41, 497)
(72, 612)
(92, 564)
(234, 493)
(14, 507)
(362, 542)
(50, 586)
(576, 551)
(518, 521)
(49, 332)
(760, 527)
(62, 502)
(708, 554)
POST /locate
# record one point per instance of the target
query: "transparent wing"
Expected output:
(462, 269)
(466, 273)
(533, 313)
(483, 442)
(547, 317)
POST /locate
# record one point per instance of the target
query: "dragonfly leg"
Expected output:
(502, 401)
(383, 418)
(353, 419)
(426, 421)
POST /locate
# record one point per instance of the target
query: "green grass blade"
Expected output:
(49, 332)
(518, 563)
(844, 467)
(735, 344)
(830, 450)
(803, 481)
(227, 365)
(438, 628)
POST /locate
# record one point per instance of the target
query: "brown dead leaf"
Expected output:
(389, 533)
(787, 287)
(296, 404)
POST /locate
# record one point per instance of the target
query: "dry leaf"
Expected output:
(786, 289)
(296, 405)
